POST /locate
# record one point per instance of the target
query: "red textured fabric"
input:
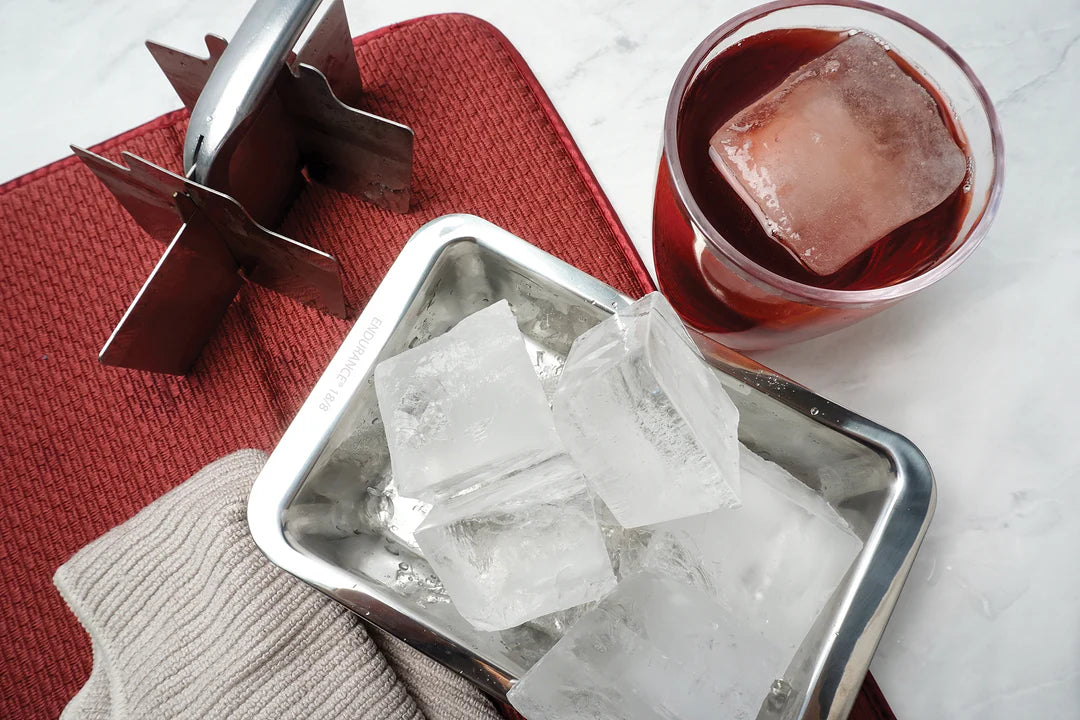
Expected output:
(84, 447)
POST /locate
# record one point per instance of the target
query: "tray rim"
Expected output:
(883, 565)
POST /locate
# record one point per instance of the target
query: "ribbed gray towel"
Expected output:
(188, 619)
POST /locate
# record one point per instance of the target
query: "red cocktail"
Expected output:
(723, 261)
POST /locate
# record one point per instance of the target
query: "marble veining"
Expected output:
(976, 370)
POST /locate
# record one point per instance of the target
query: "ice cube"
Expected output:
(754, 466)
(461, 402)
(521, 545)
(847, 149)
(558, 623)
(654, 649)
(625, 546)
(775, 561)
(646, 419)
(326, 519)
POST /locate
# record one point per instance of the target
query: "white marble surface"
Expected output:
(978, 370)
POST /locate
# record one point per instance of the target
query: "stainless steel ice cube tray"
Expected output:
(326, 510)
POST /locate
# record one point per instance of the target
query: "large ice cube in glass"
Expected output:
(462, 402)
(775, 561)
(646, 419)
(521, 545)
(847, 149)
(654, 649)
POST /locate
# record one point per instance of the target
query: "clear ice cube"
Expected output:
(519, 546)
(625, 546)
(558, 623)
(758, 468)
(646, 419)
(775, 561)
(466, 401)
(847, 149)
(708, 616)
(654, 649)
(325, 519)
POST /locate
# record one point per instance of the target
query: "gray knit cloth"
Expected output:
(188, 619)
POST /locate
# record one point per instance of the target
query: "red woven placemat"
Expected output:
(84, 447)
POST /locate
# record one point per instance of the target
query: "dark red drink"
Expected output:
(728, 300)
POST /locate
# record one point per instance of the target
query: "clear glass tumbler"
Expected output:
(726, 297)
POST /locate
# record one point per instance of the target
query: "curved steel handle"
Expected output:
(242, 79)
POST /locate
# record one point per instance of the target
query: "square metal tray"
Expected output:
(325, 508)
